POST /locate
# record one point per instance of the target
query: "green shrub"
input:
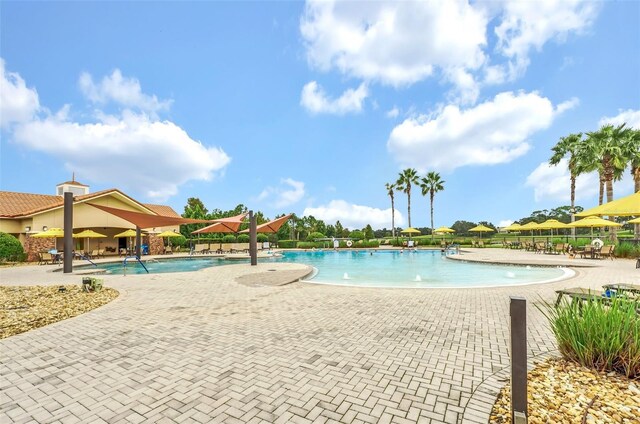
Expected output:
(10, 248)
(356, 235)
(627, 250)
(287, 244)
(262, 237)
(178, 241)
(311, 245)
(244, 238)
(314, 236)
(599, 335)
(229, 238)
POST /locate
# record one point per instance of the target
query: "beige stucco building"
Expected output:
(26, 214)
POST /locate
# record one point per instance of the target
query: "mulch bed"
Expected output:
(23, 308)
(560, 391)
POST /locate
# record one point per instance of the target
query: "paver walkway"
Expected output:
(201, 347)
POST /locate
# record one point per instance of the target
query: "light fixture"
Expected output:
(45, 228)
(27, 229)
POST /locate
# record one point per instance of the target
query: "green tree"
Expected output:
(368, 232)
(356, 235)
(431, 184)
(339, 229)
(406, 179)
(391, 188)
(331, 231)
(607, 146)
(574, 146)
(194, 209)
(632, 151)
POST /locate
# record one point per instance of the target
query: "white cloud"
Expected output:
(630, 117)
(490, 133)
(527, 25)
(288, 193)
(553, 183)
(131, 152)
(504, 223)
(396, 43)
(393, 113)
(354, 216)
(121, 90)
(315, 100)
(18, 103)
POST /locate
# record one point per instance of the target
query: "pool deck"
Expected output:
(238, 344)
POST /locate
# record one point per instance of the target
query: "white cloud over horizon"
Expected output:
(130, 150)
(490, 133)
(121, 90)
(402, 43)
(288, 193)
(354, 216)
(553, 183)
(18, 103)
(314, 99)
(630, 117)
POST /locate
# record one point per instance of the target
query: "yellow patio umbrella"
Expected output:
(513, 227)
(53, 233)
(625, 206)
(411, 230)
(481, 229)
(444, 230)
(168, 234)
(88, 234)
(593, 221)
(128, 233)
(552, 224)
(634, 221)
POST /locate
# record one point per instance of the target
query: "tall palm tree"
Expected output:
(405, 179)
(608, 146)
(431, 184)
(572, 145)
(391, 188)
(632, 151)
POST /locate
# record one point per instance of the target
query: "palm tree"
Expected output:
(632, 151)
(607, 145)
(405, 179)
(391, 188)
(431, 184)
(572, 145)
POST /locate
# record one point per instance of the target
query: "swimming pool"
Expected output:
(376, 268)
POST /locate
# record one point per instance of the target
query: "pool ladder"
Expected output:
(124, 264)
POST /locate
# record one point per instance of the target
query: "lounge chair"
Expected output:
(101, 253)
(560, 248)
(481, 243)
(45, 258)
(579, 294)
(167, 250)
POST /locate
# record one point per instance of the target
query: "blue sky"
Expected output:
(312, 107)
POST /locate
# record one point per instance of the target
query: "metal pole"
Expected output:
(253, 239)
(138, 241)
(518, 313)
(68, 233)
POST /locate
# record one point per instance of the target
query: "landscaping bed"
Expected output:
(24, 308)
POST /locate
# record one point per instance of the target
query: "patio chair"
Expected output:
(607, 252)
(167, 250)
(101, 253)
(480, 243)
(94, 254)
(560, 248)
(578, 294)
(45, 258)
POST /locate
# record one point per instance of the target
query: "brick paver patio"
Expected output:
(202, 347)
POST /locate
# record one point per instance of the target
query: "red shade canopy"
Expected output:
(271, 226)
(223, 225)
(145, 220)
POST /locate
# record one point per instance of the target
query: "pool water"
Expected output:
(391, 268)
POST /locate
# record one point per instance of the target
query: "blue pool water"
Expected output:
(377, 269)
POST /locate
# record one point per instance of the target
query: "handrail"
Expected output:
(86, 258)
(124, 263)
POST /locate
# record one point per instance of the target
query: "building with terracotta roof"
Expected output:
(26, 214)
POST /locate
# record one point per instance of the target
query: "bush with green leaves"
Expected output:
(287, 244)
(603, 334)
(243, 238)
(262, 237)
(356, 235)
(314, 236)
(10, 248)
(229, 238)
(627, 250)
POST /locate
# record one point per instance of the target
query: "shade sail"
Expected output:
(444, 230)
(481, 229)
(88, 234)
(410, 230)
(223, 225)
(592, 222)
(625, 206)
(50, 233)
(271, 226)
(145, 220)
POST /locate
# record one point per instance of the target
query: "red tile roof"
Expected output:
(162, 210)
